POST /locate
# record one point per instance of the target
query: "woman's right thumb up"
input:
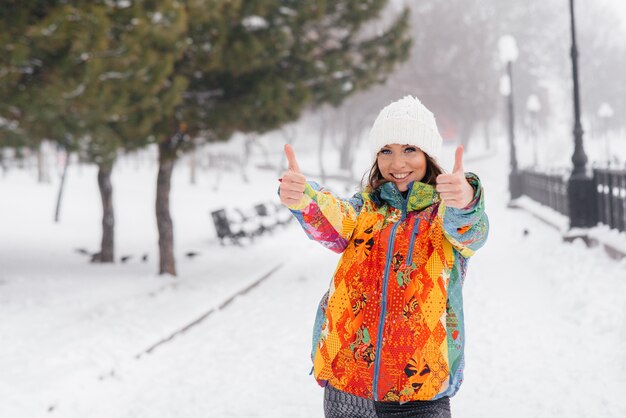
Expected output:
(291, 158)
(292, 183)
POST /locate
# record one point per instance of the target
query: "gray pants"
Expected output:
(339, 404)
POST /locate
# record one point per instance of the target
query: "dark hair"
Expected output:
(376, 179)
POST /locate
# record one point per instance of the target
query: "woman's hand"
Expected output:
(292, 182)
(454, 189)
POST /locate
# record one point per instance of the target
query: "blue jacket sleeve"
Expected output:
(467, 228)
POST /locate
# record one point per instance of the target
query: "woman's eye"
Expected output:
(385, 151)
(410, 149)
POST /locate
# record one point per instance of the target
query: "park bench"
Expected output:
(236, 224)
(227, 228)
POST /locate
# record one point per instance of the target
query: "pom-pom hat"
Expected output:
(406, 121)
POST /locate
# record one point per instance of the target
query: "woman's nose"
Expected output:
(397, 162)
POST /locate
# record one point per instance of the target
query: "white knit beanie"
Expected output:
(406, 121)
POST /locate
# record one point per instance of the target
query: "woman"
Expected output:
(388, 337)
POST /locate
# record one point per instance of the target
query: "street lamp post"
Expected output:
(581, 194)
(533, 106)
(579, 158)
(508, 55)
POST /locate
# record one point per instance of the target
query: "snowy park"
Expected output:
(150, 268)
(545, 318)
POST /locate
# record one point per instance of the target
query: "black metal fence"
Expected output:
(547, 189)
(611, 197)
(610, 193)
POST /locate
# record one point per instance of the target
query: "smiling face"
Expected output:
(401, 164)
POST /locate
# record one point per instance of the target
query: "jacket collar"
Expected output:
(421, 196)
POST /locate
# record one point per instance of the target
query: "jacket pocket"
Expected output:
(414, 232)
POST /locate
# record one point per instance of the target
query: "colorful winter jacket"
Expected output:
(390, 327)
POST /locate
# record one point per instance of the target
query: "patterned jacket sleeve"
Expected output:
(326, 218)
(467, 228)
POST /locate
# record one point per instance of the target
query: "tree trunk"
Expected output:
(193, 166)
(465, 133)
(107, 246)
(42, 168)
(57, 212)
(167, 263)
(320, 148)
(487, 130)
(346, 149)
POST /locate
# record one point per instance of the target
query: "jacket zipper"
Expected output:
(416, 226)
(381, 319)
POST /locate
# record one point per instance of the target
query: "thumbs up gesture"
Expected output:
(292, 182)
(453, 188)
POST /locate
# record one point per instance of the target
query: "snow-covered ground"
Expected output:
(546, 320)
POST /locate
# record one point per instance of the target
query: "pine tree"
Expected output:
(96, 77)
(15, 18)
(254, 65)
(135, 89)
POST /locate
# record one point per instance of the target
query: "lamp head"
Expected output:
(508, 49)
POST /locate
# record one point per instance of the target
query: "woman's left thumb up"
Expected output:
(458, 160)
